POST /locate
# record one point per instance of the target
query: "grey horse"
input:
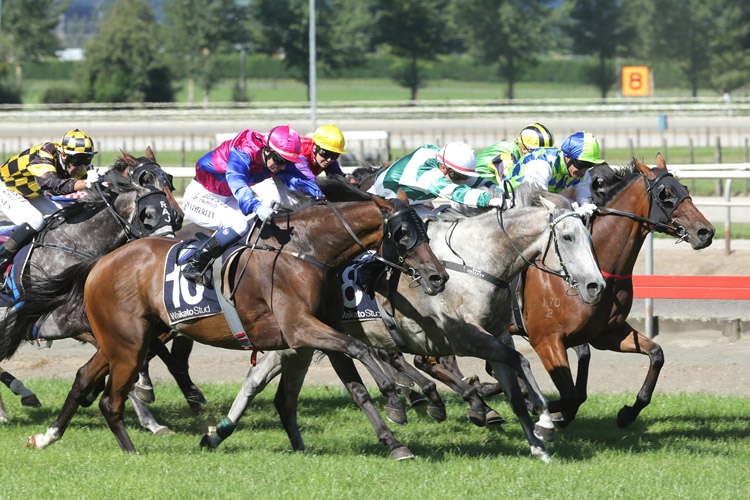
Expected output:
(473, 315)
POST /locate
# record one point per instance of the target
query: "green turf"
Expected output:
(682, 447)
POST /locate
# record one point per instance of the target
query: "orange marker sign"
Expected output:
(635, 81)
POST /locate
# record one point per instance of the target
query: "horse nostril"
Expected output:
(704, 233)
(593, 288)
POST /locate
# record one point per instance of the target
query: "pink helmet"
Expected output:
(286, 142)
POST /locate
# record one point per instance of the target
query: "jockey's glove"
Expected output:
(501, 203)
(586, 210)
(263, 212)
(92, 177)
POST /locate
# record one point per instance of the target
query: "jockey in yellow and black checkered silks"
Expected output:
(50, 168)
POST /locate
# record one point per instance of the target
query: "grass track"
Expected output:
(683, 446)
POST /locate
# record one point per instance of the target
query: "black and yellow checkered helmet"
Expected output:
(76, 142)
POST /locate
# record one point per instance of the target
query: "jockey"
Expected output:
(238, 181)
(51, 167)
(430, 172)
(322, 152)
(494, 162)
(556, 169)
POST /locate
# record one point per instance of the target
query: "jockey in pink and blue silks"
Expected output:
(238, 181)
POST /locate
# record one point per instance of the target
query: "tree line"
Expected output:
(133, 57)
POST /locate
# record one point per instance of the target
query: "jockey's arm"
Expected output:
(583, 190)
(538, 172)
(53, 184)
(238, 178)
(297, 181)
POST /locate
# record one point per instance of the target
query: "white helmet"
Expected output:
(459, 156)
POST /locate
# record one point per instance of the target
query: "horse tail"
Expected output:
(41, 297)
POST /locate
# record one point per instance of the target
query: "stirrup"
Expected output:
(198, 277)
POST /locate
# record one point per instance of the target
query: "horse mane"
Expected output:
(616, 179)
(118, 184)
(336, 188)
(526, 195)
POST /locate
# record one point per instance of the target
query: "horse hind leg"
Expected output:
(28, 398)
(145, 417)
(258, 376)
(294, 369)
(436, 405)
(87, 379)
(4, 419)
(347, 372)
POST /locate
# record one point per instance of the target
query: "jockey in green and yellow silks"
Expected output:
(556, 169)
(495, 162)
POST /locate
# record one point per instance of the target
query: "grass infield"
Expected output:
(682, 447)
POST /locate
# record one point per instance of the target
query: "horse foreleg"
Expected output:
(436, 406)
(582, 375)
(477, 412)
(403, 382)
(3, 414)
(554, 357)
(87, 379)
(145, 417)
(625, 338)
(178, 369)
(347, 372)
(267, 368)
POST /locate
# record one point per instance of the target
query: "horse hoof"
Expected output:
(625, 417)
(164, 431)
(401, 453)
(210, 441)
(557, 416)
(437, 412)
(417, 399)
(395, 415)
(31, 401)
(476, 417)
(4, 418)
(493, 418)
(545, 434)
(541, 453)
(195, 397)
(145, 394)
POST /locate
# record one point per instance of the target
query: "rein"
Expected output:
(131, 232)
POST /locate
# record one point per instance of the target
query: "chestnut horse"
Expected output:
(287, 294)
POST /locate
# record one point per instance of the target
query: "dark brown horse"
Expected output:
(288, 296)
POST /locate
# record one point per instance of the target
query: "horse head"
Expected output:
(570, 241)
(672, 206)
(146, 171)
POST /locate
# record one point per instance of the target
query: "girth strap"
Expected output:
(230, 312)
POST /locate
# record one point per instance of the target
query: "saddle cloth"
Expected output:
(183, 299)
(356, 285)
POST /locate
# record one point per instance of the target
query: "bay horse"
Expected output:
(287, 294)
(633, 200)
(472, 316)
(87, 227)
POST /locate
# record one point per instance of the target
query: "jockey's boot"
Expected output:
(19, 239)
(196, 265)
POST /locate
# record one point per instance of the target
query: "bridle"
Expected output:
(660, 205)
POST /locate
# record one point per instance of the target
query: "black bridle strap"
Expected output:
(131, 232)
(645, 220)
(362, 245)
(473, 271)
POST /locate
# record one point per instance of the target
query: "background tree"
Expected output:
(343, 31)
(513, 33)
(415, 31)
(602, 28)
(123, 61)
(730, 45)
(196, 31)
(28, 31)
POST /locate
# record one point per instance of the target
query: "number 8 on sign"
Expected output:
(635, 81)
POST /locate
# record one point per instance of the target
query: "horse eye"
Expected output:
(567, 238)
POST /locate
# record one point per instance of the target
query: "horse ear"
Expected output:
(150, 153)
(546, 202)
(129, 159)
(402, 195)
(645, 170)
(660, 162)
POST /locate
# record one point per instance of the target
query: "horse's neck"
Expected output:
(482, 243)
(618, 239)
(324, 236)
(96, 235)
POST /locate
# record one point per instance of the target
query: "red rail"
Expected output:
(691, 287)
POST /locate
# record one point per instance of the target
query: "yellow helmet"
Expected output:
(76, 142)
(330, 138)
(535, 136)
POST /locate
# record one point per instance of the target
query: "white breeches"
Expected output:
(214, 211)
(30, 210)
